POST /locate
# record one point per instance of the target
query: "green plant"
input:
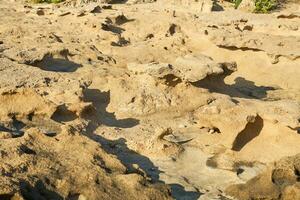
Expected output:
(264, 6)
(236, 3)
(261, 6)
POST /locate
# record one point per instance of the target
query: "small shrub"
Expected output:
(264, 6)
(261, 6)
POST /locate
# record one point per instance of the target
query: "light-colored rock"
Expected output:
(104, 105)
(247, 5)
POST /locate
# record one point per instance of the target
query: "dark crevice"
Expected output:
(234, 48)
(171, 80)
(27, 150)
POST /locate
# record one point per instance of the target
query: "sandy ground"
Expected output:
(145, 99)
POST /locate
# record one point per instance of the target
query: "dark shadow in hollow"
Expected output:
(50, 63)
(112, 28)
(178, 192)
(15, 128)
(100, 101)
(251, 131)
(57, 65)
(242, 88)
(117, 1)
(62, 114)
(129, 158)
(37, 192)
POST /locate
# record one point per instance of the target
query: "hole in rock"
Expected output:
(172, 80)
(30, 116)
(15, 127)
(62, 114)
(239, 171)
(211, 162)
(27, 150)
(297, 173)
(17, 124)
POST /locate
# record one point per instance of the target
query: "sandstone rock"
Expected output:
(194, 68)
(275, 181)
(158, 70)
(189, 68)
(107, 105)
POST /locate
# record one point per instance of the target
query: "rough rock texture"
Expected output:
(148, 100)
(280, 181)
(45, 166)
(189, 68)
(274, 46)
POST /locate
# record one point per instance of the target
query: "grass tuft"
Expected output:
(265, 6)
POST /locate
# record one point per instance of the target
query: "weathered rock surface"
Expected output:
(148, 100)
(279, 181)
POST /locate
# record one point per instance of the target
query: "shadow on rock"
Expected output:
(179, 193)
(56, 62)
(117, 1)
(242, 88)
(100, 101)
(57, 65)
(38, 191)
(137, 163)
(251, 131)
(15, 128)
